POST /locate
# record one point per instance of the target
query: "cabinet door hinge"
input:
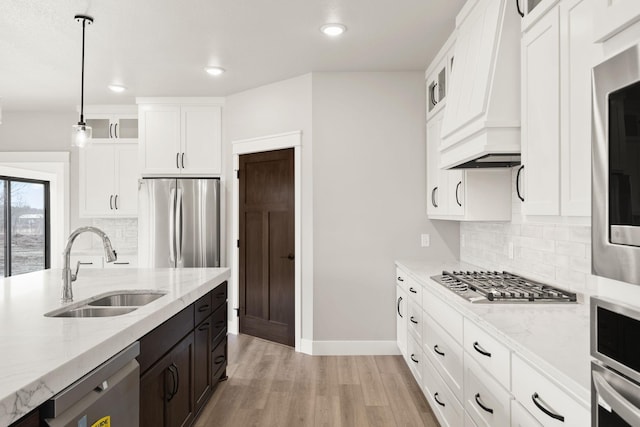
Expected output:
(238, 242)
(238, 174)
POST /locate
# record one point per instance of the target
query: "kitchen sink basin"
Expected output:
(85, 311)
(108, 304)
(127, 299)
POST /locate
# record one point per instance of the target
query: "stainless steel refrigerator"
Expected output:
(179, 222)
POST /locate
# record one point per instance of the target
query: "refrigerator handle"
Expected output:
(172, 226)
(178, 227)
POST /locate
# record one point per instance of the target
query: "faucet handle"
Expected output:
(74, 276)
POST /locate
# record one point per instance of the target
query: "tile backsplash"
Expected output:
(552, 251)
(123, 233)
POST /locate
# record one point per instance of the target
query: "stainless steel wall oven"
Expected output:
(615, 372)
(616, 167)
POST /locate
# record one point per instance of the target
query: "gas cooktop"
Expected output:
(493, 286)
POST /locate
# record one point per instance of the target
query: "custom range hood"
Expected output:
(481, 125)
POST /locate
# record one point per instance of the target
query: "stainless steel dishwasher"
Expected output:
(108, 396)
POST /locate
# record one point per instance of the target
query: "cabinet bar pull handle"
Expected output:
(171, 392)
(121, 263)
(111, 202)
(518, 184)
(115, 130)
(435, 397)
(175, 368)
(414, 359)
(110, 125)
(457, 188)
(536, 397)
(481, 350)
(399, 301)
(435, 348)
(520, 12)
(204, 326)
(115, 202)
(414, 321)
(178, 160)
(480, 404)
(85, 263)
(433, 197)
(182, 160)
(220, 323)
(413, 291)
(218, 360)
(433, 94)
(400, 279)
(203, 308)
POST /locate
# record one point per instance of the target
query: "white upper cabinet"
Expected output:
(557, 56)
(614, 16)
(437, 188)
(180, 136)
(541, 116)
(112, 122)
(109, 180)
(483, 103)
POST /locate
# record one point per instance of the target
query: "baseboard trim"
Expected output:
(354, 348)
(306, 346)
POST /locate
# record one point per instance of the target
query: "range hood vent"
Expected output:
(496, 160)
(481, 124)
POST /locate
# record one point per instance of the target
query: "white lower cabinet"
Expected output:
(415, 358)
(547, 402)
(485, 400)
(444, 353)
(401, 320)
(469, 374)
(443, 403)
(521, 418)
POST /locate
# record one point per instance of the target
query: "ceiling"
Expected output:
(161, 47)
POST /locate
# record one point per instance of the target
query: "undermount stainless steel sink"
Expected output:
(94, 312)
(109, 304)
(127, 299)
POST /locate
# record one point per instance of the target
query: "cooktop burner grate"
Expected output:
(494, 286)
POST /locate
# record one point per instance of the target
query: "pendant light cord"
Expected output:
(84, 23)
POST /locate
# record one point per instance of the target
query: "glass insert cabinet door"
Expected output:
(110, 127)
(24, 226)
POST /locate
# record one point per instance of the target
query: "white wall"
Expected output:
(369, 199)
(267, 110)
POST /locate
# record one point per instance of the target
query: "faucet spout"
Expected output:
(68, 276)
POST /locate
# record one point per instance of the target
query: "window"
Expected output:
(24, 226)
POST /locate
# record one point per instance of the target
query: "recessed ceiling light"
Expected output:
(215, 71)
(117, 88)
(333, 29)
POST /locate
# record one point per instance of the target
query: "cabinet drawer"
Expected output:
(218, 325)
(538, 394)
(468, 422)
(446, 407)
(202, 308)
(415, 358)
(520, 417)
(444, 314)
(444, 353)
(414, 290)
(219, 296)
(488, 352)
(401, 279)
(86, 261)
(485, 400)
(219, 360)
(414, 313)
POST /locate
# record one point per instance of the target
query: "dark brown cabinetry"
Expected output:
(182, 360)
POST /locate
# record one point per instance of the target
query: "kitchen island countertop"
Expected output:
(552, 336)
(40, 356)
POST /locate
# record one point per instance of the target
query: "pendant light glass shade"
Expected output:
(81, 133)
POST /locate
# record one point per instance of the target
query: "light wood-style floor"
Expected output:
(271, 385)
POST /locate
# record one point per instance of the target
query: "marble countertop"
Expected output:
(40, 356)
(554, 337)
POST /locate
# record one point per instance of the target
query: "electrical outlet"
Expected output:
(510, 249)
(425, 240)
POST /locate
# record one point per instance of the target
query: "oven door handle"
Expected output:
(625, 409)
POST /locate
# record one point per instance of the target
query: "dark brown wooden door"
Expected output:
(267, 246)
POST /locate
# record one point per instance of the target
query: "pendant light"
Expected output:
(81, 133)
